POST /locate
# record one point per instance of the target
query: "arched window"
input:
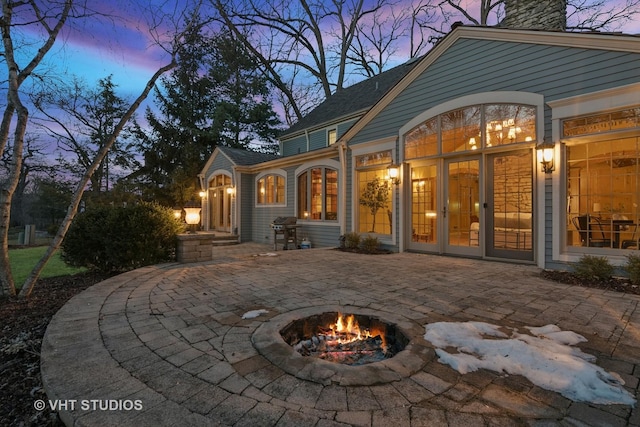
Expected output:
(318, 194)
(271, 190)
(471, 128)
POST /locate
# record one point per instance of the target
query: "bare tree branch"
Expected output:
(312, 37)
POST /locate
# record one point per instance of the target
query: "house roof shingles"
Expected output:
(358, 97)
(243, 157)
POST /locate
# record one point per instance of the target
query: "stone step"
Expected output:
(226, 242)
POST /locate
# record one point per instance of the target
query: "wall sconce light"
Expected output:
(192, 215)
(394, 173)
(202, 194)
(177, 212)
(545, 156)
(231, 191)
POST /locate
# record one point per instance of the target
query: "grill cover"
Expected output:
(283, 222)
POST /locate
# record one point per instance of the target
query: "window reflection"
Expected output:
(603, 193)
(472, 128)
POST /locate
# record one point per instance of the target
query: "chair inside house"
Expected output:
(633, 242)
(591, 232)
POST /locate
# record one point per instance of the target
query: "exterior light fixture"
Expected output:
(177, 212)
(545, 156)
(192, 215)
(231, 191)
(394, 173)
(202, 194)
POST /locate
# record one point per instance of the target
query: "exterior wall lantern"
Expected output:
(177, 212)
(192, 215)
(545, 156)
(231, 191)
(393, 171)
(203, 194)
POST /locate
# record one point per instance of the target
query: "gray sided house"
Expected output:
(518, 145)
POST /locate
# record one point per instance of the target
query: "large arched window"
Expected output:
(471, 128)
(318, 194)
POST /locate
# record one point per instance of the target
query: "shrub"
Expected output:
(108, 239)
(632, 267)
(370, 244)
(593, 268)
(352, 240)
(52, 229)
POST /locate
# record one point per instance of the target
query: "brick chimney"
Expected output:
(535, 14)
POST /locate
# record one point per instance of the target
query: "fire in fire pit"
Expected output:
(349, 339)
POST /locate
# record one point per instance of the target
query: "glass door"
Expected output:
(220, 202)
(424, 208)
(509, 219)
(461, 210)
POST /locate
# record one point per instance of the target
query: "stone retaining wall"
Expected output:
(195, 247)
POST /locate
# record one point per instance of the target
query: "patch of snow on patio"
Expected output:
(546, 358)
(254, 313)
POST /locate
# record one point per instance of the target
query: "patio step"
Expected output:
(225, 240)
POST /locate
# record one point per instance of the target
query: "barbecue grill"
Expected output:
(284, 228)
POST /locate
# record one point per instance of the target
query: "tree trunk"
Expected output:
(30, 282)
(15, 78)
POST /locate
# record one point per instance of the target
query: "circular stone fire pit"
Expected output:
(276, 338)
(350, 339)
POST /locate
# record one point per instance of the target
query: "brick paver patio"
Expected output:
(171, 339)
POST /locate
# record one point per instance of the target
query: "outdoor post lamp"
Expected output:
(394, 172)
(192, 215)
(545, 156)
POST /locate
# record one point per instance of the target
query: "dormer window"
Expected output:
(332, 135)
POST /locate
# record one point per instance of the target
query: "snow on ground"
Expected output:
(254, 313)
(545, 356)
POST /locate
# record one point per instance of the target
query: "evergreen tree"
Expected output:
(179, 138)
(243, 116)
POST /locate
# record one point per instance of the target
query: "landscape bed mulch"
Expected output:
(24, 322)
(616, 284)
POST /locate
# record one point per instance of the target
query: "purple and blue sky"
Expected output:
(122, 46)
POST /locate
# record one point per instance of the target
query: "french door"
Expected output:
(461, 209)
(509, 222)
(220, 208)
(474, 206)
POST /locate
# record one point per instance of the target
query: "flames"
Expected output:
(339, 338)
(347, 330)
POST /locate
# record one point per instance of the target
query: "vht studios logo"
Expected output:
(88, 405)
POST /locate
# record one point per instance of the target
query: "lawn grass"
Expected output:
(23, 260)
